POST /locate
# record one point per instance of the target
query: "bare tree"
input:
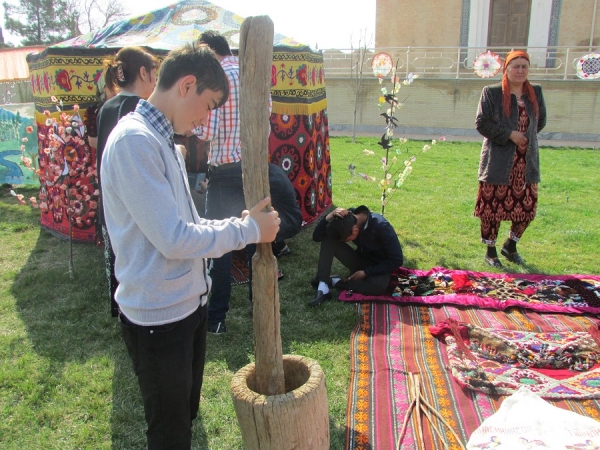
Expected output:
(357, 62)
(93, 15)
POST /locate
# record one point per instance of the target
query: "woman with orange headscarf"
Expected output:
(509, 117)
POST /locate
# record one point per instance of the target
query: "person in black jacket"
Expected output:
(377, 254)
(284, 201)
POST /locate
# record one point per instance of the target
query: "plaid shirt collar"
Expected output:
(230, 61)
(157, 119)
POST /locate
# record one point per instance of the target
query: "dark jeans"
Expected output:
(169, 363)
(330, 248)
(224, 199)
(220, 292)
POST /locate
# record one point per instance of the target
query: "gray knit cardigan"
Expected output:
(498, 151)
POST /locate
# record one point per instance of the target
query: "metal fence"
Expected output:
(557, 63)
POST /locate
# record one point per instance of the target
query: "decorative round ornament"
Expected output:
(382, 64)
(487, 64)
(588, 67)
(194, 15)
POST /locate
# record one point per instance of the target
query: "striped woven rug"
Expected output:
(391, 340)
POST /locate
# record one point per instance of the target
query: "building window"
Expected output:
(509, 23)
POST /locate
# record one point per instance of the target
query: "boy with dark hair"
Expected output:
(341, 228)
(198, 62)
(378, 252)
(161, 243)
(216, 42)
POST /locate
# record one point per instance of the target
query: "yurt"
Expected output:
(66, 74)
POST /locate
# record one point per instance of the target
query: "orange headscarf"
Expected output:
(527, 87)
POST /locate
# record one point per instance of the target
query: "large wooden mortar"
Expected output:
(298, 419)
(280, 400)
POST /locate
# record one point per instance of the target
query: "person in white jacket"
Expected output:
(161, 243)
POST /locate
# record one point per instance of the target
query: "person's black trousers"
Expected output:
(169, 363)
(330, 248)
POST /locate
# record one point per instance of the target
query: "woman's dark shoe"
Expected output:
(513, 257)
(494, 262)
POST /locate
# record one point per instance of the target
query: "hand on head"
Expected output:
(268, 222)
(337, 212)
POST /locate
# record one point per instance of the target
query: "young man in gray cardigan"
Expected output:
(161, 243)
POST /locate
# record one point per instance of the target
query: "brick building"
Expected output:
(439, 40)
(483, 23)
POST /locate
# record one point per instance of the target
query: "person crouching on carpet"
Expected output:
(509, 117)
(377, 254)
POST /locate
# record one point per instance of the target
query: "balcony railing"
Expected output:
(556, 63)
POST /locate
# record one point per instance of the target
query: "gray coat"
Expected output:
(498, 151)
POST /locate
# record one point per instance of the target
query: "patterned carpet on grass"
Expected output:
(392, 340)
(544, 293)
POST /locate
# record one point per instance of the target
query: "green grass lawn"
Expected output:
(66, 381)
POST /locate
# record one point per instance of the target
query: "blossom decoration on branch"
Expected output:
(390, 101)
(67, 173)
(21, 199)
(394, 172)
(26, 160)
(487, 64)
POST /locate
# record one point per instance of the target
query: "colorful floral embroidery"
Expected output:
(554, 365)
(63, 80)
